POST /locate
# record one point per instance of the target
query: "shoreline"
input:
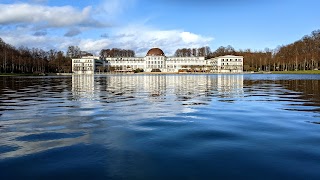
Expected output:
(166, 73)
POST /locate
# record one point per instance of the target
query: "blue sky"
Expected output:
(167, 24)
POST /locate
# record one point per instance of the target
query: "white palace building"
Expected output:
(156, 61)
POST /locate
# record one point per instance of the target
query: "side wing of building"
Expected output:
(226, 64)
(86, 65)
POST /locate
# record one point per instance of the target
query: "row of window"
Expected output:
(172, 66)
(127, 67)
(83, 64)
(156, 58)
(231, 64)
(78, 61)
(113, 59)
(232, 60)
(125, 61)
(154, 62)
(186, 62)
(234, 68)
(154, 66)
(180, 61)
(185, 58)
(82, 68)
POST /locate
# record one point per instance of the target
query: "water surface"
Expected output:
(160, 126)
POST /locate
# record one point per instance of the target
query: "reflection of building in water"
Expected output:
(182, 86)
(232, 84)
(155, 85)
(168, 95)
(83, 86)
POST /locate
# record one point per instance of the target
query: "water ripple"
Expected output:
(48, 136)
(160, 127)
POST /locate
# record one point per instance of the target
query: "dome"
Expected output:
(155, 52)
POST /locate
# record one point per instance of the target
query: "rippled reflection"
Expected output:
(38, 114)
(159, 86)
(202, 126)
(83, 86)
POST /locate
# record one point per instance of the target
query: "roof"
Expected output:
(229, 56)
(155, 52)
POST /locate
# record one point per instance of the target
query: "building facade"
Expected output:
(226, 64)
(87, 65)
(156, 61)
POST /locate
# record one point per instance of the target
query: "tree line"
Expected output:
(303, 54)
(192, 52)
(35, 60)
(116, 52)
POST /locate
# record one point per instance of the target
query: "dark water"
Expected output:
(160, 127)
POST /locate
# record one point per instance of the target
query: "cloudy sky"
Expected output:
(168, 24)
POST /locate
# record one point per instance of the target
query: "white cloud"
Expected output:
(189, 37)
(31, 41)
(45, 15)
(140, 39)
(95, 46)
(23, 36)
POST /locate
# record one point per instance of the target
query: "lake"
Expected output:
(160, 127)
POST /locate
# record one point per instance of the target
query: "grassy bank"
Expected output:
(297, 72)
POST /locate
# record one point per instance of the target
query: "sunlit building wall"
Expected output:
(156, 61)
(226, 64)
(87, 65)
